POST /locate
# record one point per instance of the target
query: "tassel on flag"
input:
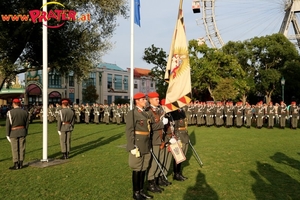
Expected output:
(178, 68)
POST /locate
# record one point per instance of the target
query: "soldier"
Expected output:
(157, 140)
(282, 114)
(106, 114)
(210, 112)
(65, 126)
(51, 111)
(17, 122)
(294, 115)
(87, 113)
(57, 109)
(271, 115)
(96, 113)
(138, 143)
(260, 114)
(118, 113)
(181, 133)
(239, 114)
(77, 113)
(248, 115)
(219, 114)
(228, 111)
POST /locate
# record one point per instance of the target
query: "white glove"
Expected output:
(290, 115)
(172, 140)
(133, 151)
(165, 120)
(8, 138)
(59, 133)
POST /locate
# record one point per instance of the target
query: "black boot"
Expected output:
(15, 167)
(67, 155)
(180, 172)
(64, 156)
(176, 171)
(157, 186)
(20, 164)
(163, 182)
(152, 187)
(142, 179)
(136, 185)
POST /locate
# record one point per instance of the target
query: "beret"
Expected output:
(153, 94)
(65, 101)
(16, 100)
(139, 95)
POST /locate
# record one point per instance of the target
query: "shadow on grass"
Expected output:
(77, 150)
(273, 184)
(201, 190)
(284, 159)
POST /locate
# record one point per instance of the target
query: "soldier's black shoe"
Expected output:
(144, 195)
(64, 156)
(152, 187)
(137, 195)
(184, 177)
(163, 182)
(178, 177)
(15, 167)
(20, 164)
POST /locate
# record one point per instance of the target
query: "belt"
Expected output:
(142, 132)
(66, 123)
(181, 128)
(17, 127)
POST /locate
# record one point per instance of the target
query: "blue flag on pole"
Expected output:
(137, 16)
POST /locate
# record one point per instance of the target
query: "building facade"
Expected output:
(111, 83)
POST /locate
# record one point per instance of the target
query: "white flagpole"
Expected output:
(45, 86)
(131, 54)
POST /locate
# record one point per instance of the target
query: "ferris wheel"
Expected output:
(238, 20)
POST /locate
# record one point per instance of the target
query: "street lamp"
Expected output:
(282, 85)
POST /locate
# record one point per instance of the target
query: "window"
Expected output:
(135, 86)
(90, 81)
(71, 81)
(54, 80)
(118, 82)
(109, 81)
(125, 81)
(72, 97)
(109, 99)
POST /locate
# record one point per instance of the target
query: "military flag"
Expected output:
(178, 73)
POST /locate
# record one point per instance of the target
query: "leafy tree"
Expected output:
(211, 66)
(157, 57)
(225, 90)
(75, 46)
(89, 94)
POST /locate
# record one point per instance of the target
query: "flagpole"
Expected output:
(131, 54)
(45, 86)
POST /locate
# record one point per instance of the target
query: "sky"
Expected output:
(236, 20)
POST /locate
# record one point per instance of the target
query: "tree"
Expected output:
(75, 46)
(89, 94)
(157, 57)
(211, 66)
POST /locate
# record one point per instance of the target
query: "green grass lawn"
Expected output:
(238, 164)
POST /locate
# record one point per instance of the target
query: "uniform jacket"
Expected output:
(156, 125)
(180, 123)
(66, 120)
(18, 118)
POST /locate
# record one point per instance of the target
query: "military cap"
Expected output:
(139, 95)
(153, 94)
(16, 100)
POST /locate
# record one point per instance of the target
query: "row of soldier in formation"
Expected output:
(201, 113)
(86, 113)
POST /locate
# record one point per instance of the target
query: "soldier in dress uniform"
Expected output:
(228, 111)
(182, 135)
(106, 114)
(118, 113)
(239, 114)
(248, 115)
(77, 113)
(219, 114)
(157, 139)
(271, 115)
(260, 114)
(282, 114)
(65, 126)
(138, 144)
(17, 122)
(87, 113)
(96, 113)
(294, 115)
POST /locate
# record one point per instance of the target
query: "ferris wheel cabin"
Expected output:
(196, 6)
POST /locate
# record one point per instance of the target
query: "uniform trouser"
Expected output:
(139, 164)
(86, 118)
(271, 121)
(65, 141)
(248, 121)
(106, 119)
(154, 169)
(282, 121)
(239, 121)
(18, 148)
(167, 155)
(259, 121)
(228, 120)
(294, 122)
(96, 118)
(77, 118)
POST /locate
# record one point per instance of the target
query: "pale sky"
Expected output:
(236, 20)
